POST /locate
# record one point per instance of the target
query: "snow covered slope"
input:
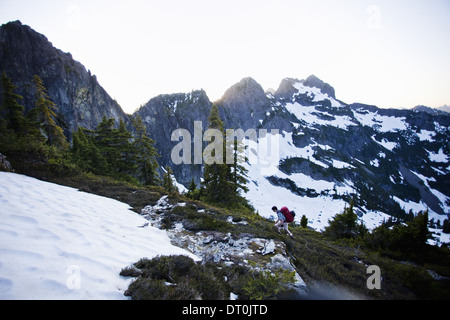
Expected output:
(269, 186)
(59, 243)
(387, 161)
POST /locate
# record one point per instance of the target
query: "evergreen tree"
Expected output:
(78, 148)
(115, 147)
(304, 221)
(193, 192)
(239, 172)
(218, 188)
(167, 180)
(413, 236)
(115, 152)
(11, 111)
(362, 230)
(104, 140)
(420, 228)
(446, 226)
(126, 161)
(223, 182)
(380, 238)
(214, 119)
(85, 154)
(146, 154)
(192, 186)
(44, 114)
(410, 238)
(343, 225)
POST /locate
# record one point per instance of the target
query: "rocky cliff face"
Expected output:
(243, 105)
(78, 95)
(166, 113)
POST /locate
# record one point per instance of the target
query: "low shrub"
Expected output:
(180, 278)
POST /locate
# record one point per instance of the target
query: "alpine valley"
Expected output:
(388, 161)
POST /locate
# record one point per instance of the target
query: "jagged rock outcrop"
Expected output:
(78, 95)
(314, 82)
(243, 105)
(440, 111)
(4, 164)
(288, 88)
(168, 112)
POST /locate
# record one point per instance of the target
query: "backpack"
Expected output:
(287, 214)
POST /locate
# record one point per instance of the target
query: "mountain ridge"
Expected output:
(311, 81)
(389, 161)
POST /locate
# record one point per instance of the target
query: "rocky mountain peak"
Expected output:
(167, 112)
(313, 81)
(244, 104)
(421, 108)
(287, 87)
(444, 108)
(19, 30)
(247, 89)
(173, 101)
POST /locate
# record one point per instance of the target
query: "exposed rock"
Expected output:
(244, 104)
(269, 248)
(165, 113)
(313, 81)
(4, 164)
(227, 248)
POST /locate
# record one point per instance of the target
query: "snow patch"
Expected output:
(385, 143)
(425, 135)
(59, 243)
(439, 157)
(381, 123)
(311, 116)
(316, 94)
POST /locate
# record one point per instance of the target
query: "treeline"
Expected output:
(116, 152)
(37, 136)
(405, 239)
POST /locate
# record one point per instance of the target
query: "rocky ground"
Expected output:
(229, 248)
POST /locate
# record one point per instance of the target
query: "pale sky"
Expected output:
(393, 54)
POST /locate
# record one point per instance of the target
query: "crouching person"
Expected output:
(284, 218)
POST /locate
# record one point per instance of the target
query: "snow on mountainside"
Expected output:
(388, 161)
(59, 243)
(331, 152)
(264, 193)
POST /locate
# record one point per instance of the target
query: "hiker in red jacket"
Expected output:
(284, 218)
